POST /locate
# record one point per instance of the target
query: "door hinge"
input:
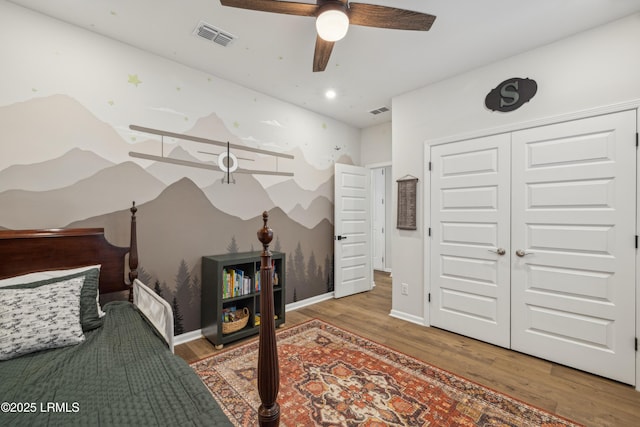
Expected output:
(429, 231)
(636, 343)
(636, 241)
(382, 230)
(429, 299)
(636, 139)
(429, 165)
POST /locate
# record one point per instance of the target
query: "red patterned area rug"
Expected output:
(331, 377)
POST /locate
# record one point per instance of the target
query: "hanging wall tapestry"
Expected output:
(407, 191)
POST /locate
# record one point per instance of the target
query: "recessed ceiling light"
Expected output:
(330, 94)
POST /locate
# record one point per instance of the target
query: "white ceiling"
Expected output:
(273, 53)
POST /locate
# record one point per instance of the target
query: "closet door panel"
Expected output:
(469, 224)
(573, 223)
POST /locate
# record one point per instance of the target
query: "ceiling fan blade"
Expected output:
(290, 8)
(322, 54)
(370, 15)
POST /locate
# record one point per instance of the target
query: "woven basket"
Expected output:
(239, 323)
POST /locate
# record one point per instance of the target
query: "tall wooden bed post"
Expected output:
(133, 251)
(268, 367)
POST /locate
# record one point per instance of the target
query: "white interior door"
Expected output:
(573, 204)
(470, 223)
(352, 224)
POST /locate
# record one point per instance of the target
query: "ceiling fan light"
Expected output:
(332, 25)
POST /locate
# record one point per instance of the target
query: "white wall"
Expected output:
(596, 68)
(375, 144)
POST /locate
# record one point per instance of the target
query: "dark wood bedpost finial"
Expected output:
(268, 367)
(265, 234)
(133, 251)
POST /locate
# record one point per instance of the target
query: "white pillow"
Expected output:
(40, 318)
(51, 274)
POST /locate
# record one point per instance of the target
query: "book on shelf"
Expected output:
(246, 285)
(235, 283)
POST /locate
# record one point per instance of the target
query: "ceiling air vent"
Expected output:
(379, 110)
(211, 33)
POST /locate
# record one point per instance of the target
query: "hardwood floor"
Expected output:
(582, 397)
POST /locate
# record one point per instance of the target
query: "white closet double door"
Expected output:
(533, 242)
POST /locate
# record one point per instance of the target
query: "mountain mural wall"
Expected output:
(180, 222)
(180, 226)
(183, 213)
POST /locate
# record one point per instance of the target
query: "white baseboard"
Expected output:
(187, 336)
(407, 317)
(309, 301)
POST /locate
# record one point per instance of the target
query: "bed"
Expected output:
(115, 368)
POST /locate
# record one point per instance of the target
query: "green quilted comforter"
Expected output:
(122, 375)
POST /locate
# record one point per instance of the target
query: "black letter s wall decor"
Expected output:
(511, 94)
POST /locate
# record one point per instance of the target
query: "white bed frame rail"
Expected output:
(157, 311)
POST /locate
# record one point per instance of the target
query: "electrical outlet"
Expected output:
(405, 289)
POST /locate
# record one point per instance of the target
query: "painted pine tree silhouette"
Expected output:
(314, 272)
(177, 318)
(158, 289)
(233, 246)
(298, 265)
(328, 268)
(167, 293)
(307, 277)
(195, 292)
(319, 276)
(185, 294)
(292, 280)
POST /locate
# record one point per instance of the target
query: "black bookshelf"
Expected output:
(214, 301)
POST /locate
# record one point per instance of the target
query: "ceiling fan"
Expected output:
(334, 16)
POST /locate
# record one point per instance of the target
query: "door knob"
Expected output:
(522, 253)
(499, 251)
(340, 237)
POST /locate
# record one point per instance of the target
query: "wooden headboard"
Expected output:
(28, 251)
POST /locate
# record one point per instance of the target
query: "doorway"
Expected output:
(381, 217)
